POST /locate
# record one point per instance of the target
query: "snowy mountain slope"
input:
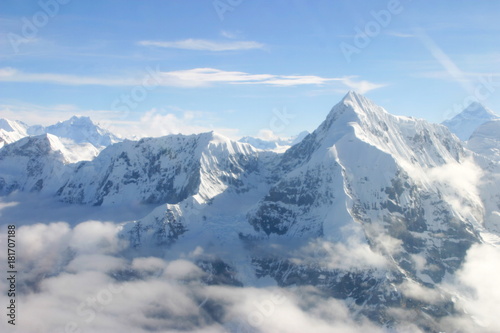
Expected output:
(364, 177)
(485, 140)
(464, 123)
(365, 166)
(159, 170)
(80, 130)
(33, 164)
(82, 139)
(11, 131)
(489, 190)
(380, 181)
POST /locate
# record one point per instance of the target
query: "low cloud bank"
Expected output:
(78, 280)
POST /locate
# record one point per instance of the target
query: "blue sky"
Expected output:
(242, 67)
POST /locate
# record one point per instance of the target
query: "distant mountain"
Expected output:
(485, 140)
(82, 139)
(278, 145)
(464, 123)
(82, 130)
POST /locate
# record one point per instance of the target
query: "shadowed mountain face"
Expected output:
(367, 209)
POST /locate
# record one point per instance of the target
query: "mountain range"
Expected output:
(82, 138)
(367, 208)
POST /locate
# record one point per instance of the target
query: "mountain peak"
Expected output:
(82, 129)
(355, 98)
(354, 107)
(464, 123)
(476, 108)
(352, 95)
(360, 104)
(80, 120)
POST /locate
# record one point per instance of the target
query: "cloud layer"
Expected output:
(80, 279)
(205, 45)
(189, 78)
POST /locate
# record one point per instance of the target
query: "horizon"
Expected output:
(133, 137)
(243, 64)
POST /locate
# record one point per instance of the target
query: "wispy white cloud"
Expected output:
(476, 284)
(160, 122)
(460, 183)
(204, 76)
(342, 85)
(205, 45)
(400, 34)
(445, 61)
(361, 86)
(466, 76)
(229, 34)
(349, 255)
(191, 78)
(8, 74)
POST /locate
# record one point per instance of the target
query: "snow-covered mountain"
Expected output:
(152, 170)
(485, 140)
(11, 131)
(278, 145)
(364, 177)
(33, 164)
(367, 209)
(464, 123)
(161, 170)
(82, 139)
(80, 129)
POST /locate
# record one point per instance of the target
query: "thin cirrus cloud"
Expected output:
(204, 45)
(444, 60)
(190, 78)
(400, 34)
